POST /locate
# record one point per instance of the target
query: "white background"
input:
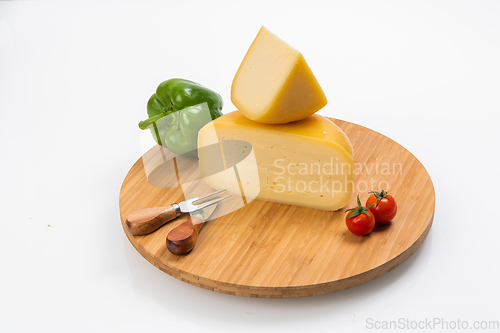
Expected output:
(74, 81)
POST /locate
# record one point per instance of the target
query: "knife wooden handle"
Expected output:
(145, 221)
(182, 238)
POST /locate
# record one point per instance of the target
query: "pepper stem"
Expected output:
(145, 124)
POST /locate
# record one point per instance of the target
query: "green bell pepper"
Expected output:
(176, 114)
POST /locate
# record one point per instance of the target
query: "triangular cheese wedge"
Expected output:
(274, 84)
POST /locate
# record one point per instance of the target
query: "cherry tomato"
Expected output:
(359, 220)
(383, 207)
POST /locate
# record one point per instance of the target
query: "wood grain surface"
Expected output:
(265, 249)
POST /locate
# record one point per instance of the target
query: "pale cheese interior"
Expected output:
(274, 83)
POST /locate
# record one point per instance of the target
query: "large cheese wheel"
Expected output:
(306, 163)
(274, 83)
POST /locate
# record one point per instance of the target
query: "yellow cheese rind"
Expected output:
(274, 84)
(306, 163)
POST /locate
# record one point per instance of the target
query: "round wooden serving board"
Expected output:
(267, 249)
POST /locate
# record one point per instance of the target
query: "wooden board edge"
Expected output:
(283, 292)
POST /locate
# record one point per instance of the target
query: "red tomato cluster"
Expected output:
(380, 208)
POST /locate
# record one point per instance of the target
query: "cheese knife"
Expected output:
(145, 221)
(182, 238)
